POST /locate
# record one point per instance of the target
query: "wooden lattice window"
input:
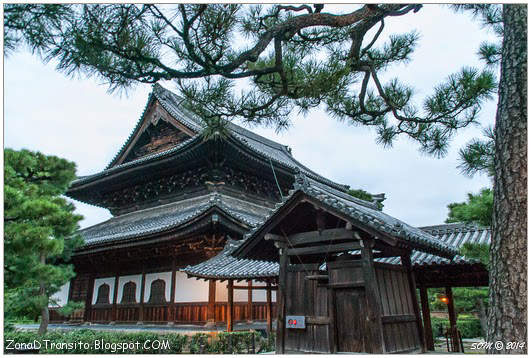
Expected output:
(158, 289)
(129, 293)
(103, 294)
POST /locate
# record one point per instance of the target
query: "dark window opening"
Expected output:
(129, 293)
(157, 295)
(103, 294)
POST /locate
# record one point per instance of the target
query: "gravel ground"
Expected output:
(183, 329)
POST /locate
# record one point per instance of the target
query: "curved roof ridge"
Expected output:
(198, 206)
(454, 227)
(173, 104)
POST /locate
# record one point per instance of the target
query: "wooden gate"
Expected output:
(394, 320)
(349, 299)
(309, 298)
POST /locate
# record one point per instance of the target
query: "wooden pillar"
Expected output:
(230, 305)
(428, 332)
(87, 316)
(142, 290)
(115, 297)
(281, 302)
(406, 261)
(250, 301)
(374, 325)
(269, 309)
(453, 320)
(171, 306)
(332, 329)
(211, 310)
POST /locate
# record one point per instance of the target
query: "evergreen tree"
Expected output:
(293, 57)
(364, 195)
(39, 227)
(507, 319)
(477, 209)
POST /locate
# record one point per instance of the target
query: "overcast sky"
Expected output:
(79, 120)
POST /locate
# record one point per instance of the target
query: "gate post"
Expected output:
(281, 301)
(406, 261)
(269, 309)
(374, 322)
(426, 317)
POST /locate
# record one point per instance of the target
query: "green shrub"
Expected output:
(113, 342)
(99, 342)
(469, 326)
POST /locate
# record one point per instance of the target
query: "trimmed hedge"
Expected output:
(86, 341)
(470, 327)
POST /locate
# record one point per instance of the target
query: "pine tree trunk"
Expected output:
(45, 313)
(507, 319)
(482, 317)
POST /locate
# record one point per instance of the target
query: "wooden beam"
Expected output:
(314, 237)
(240, 287)
(428, 332)
(324, 249)
(211, 310)
(373, 323)
(281, 301)
(406, 262)
(332, 329)
(142, 291)
(453, 320)
(88, 300)
(250, 301)
(115, 297)
(230, 305)
(399, 318)
(273, 237)
(269, 309)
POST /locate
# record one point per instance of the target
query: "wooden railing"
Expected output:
(55, 316)
(101, 313)
(182, 312)
(128, 313)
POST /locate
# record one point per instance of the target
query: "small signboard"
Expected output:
(295, 322)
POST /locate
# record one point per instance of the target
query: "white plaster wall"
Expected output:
(61, 296)
(259, 295)
(100, 281)
(137, 279)
(150, 277)
(221, 291)
(240, 295)
(190, 289)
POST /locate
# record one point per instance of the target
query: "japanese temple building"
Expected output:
(186, 210)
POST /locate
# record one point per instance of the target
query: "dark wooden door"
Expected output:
(350, 319)
(307, 298)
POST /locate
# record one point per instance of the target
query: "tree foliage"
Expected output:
(478, 155)
(364, 195)
(38, 228)
(477, 209)
(292, 58)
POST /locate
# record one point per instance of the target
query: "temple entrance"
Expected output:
(350, 302)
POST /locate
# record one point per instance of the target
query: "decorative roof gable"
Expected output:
(157, 130)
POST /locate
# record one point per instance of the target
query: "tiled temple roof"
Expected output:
(357, 212)
(270, 150)
(225, 266)
(165, 217)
